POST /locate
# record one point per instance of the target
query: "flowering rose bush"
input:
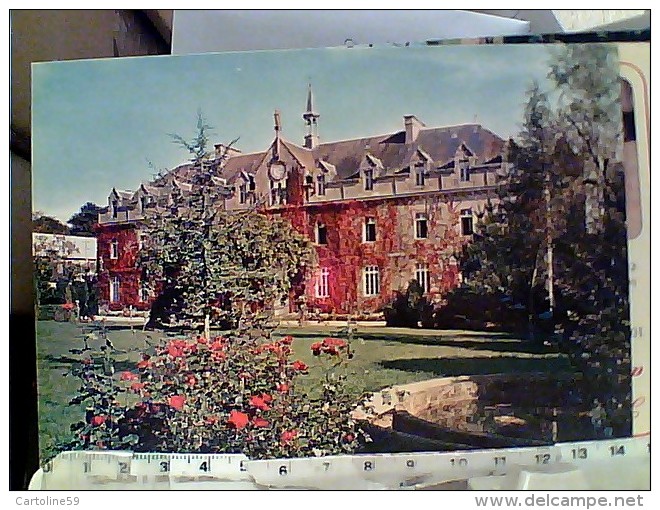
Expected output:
(232, 394)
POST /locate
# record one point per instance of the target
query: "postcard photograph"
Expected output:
(328, 252)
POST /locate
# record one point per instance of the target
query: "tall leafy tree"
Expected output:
(559, 232)
(595, 285)
(218, 266)
(82, 223)
(44, 224)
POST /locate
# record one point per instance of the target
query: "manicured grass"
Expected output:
(383, 357)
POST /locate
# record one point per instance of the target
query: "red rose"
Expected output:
(238, 420)
(283, 388)
(128, 376)
(98, 420)
(287, 340)
(288, 435)
(259, 403)
(191, 381)
(175, 351)
(201, 340)
(334, 342)
(137, 387)
(218, 344)
(219, 356)
(300, 366)
(177, 401)
(349, 438)
(266, 398)
(260, 422)
(144, 364)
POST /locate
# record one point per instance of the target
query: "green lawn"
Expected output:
(383, 357)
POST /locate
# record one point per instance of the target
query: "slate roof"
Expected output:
(390, 149)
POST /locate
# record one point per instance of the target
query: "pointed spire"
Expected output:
(310, 107)
(278, 128)
(311, 120)
(278, 122)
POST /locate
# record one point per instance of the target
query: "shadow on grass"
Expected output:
(66, 361)
(476, 366)
(473, 341)
(486, 341)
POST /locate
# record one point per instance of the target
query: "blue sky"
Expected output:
(97, 123)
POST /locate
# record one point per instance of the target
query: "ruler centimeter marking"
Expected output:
(430, 467)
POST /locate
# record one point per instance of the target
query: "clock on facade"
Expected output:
(277, 171)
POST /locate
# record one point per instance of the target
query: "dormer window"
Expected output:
(465, 171)
(115, 208)
(420, 174)
(320, 185)
(369, 179)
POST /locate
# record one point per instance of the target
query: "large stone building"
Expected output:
(381, 210)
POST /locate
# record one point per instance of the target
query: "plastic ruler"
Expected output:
(587, 463)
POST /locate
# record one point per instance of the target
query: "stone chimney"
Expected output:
(413, 126)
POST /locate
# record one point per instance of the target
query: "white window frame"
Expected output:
(423, 276)
(371, 281)
(322, 284)
(320, 225)
(143, 292)
(420, 174)
(115, 289)
(419, 218)
(277, 193)
(467, 214)
(369, 179)
(320, 185)
(367, 222)
(114, 249)
(464, 171)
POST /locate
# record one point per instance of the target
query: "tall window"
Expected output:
(114, 249)
(369, 230)
(466, 222)
(420, 174)
(115, 207)
(465, 171)
(321, 234)
(242, 193)
(320, 185)
(371, 281)
(143, 203)
(423, 276)
(369, 179)
(421, 226)
(322, 286)
(140, 240)
(277, 193)
(143, 292)
(114, 289)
